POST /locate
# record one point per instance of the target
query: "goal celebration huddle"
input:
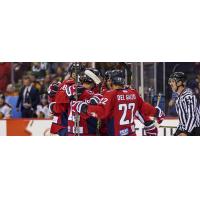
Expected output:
(87, 104)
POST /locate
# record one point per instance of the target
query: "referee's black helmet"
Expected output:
(178, 76)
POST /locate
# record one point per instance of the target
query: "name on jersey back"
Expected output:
(124, 97)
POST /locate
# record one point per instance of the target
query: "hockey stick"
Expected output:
(158, 100)
(93, 76)
(77, 116)
(99, 120)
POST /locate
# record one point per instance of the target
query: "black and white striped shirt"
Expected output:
(188, 111)
(198, 119)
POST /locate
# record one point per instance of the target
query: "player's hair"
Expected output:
(26, 77)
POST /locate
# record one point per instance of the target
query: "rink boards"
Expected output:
(35, 127)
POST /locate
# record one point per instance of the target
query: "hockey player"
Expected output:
(63, 122)
(5, 109)
(88, 124)
(119, 106)
(70, 80)
(98, 88)
(60, 103)
(144, 117)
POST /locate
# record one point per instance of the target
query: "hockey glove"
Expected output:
(79, 106)
(71, 91)
(160, 115)
(53, 88)
(95, 99)
(150, 129)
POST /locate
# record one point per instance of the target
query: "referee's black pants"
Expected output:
(195, 132)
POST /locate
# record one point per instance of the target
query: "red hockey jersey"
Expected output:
(60, 108)
(120, 107)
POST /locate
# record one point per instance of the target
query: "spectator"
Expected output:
(194, 86)
(19, 69)
(59, 74)
(5, 109)
(28, 98)
(39, 69)
(43, 108)
(51, 67)
(36, 84)
(198, 78)
(45, 83)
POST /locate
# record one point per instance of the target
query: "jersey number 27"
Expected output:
(125, 108)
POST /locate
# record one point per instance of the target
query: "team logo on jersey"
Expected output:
(124, 132)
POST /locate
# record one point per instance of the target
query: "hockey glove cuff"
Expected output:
(150, 128)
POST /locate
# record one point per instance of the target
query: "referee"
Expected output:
(187, 106)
